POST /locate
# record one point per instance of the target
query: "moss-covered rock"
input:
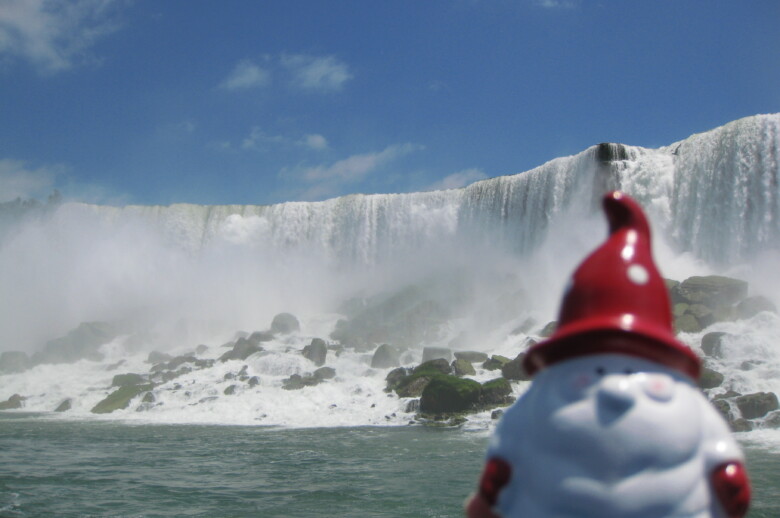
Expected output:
(496, 392)
(471, 356)
(316, 351)
(462, 367)
(495, 362)
(710, 378)
(12, 402)
(711, 290)
(242, 350)
(395, 377)
(449, 394)
(687, 323)
(712, 344)
(385, 357)
(123, 380)
(756, 405)
(438, 366)
(120, 398)
(513, 370)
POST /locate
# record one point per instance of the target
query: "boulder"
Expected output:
(324, 373)
(756, 405)
(230, 390)
(242, 350)
(471, 356)
(412, 406)
(395, 377)
(413, 386)
(178, 361)
(772, 420)
(12, 402)
(710, 378)
(385, 357)
(448, 394)
(123, 380)
(120, 398)
(80, 343)
(741, 425)
(253, 381)
(496, 392)
(513, 370)
(316, 351)
(14, 361)
(149, 397)
(297, 382)
(497, 414)
(437, 366)
(495, 362)
(723, 408)
(64, 406)
(285, 324)
(712, 344)
(435, 353)
(687, 323)
(462, 367)
(752, 306)
(711, 290)
(260, 336)
(201, 349)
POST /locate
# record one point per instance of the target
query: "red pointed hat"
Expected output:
(617, 301)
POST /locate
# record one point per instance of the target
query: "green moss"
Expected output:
(120, 398)
(449, 394)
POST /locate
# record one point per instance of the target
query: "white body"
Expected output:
(608, 436)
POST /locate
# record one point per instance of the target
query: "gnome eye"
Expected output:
(601, 371)
(659, 387)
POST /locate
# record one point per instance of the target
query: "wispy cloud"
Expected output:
(356, 167)
(245, 75)
(260, 140)
(17, 180)
(317, 142)
(55, 35)
(458, 180)
(324, 74)
(558, 4)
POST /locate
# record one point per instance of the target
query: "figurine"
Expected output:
(613, 424)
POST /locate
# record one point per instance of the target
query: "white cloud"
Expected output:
(258, 139)
(53, 34)
(317, 142)
(317, 73)
(557, 4)
(458, 180)
(358, 166)
(19, 181)
(246, 75)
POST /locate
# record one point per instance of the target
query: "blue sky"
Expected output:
(257, 102)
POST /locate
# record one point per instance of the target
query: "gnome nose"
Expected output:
(615, 395)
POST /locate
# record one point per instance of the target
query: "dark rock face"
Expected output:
(119, 399)
(756, 405)
(711, 291)
(395, 377)
(462, 367)
(447, 394)
(712, 344)
(80, 343)
(495, 362)
(324, 373)
(254, 381)
(230, 390)
(297, 382)
(12, 403)
(285, 324)
(385, 357)
(260, 336)
(471, 356)
(438, 366)
(64, 406)
(752, 306)
(710, 378)
(124, 380)
(316, 351)
(610, 152)
(14, 361)
(242, 350)
(158, 357)
(496, 392)
(435, 353)
(513, 370)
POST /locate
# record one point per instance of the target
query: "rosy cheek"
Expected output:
(575, 387)
(659, 387)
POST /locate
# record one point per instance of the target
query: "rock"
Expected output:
(260, 336)
(14, 361)
(64, 406)
(524, 328)
(496, 392)
(463, 368)
(710, 378)
(178, 361)
(297, 382)
(752, 306)
(712, 344)
(228, 376)
(80, 343)
(254, 381)
(728, 394)
(497, 414)
(712, 291)
(412, 406)
(149, 398)
(385, 356)
(548, 330)
(285, 324)
(242, 350)
(772, 420)
(513, 370)
(316, 351)
(12, 402)
(435, 353)
(609, 152)
(124, 380)
(471, 356)
(120, 398)
(741, 425)
(447, 394)
(230, 390)
(687, 324)
(723, 407)
(324, 373)
(413, 386)
(395, 377)
(756, 405)
(201, 349)
(437, 366)
(495, 362)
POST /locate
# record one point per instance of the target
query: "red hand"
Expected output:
(496, 475)
(732, 486)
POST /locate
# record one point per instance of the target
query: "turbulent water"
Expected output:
(487, 262)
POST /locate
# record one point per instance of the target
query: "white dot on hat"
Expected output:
(638, 274)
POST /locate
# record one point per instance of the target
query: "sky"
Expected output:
(258, 102)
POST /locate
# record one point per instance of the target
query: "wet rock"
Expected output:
(385, 356)
(65, 405)
(710, 378)
(178, 361)
(495, 362)
(316, 351)
(471, 356)
(609, 152)
(119, 399)
(435, 353)
(149, 398)
(772, 420)
(752, 306)
(14, 361)
(413, 406)
(324, 373)
(230, 390)
(123, 380)
(201, 349)
(711, 290)
(12, 402)
(756, 405)
(285, 324)
(513, 370)
(687, 323)
(437, 366)
(497, 414)
(395, 377)
(254, 381)
(463, 368)
(728, 394)
(448, 394)
(260, 336)
(297, 382)
(741, 425)
(413, 386)
(242, 350)
(723, 408)
(712, 344)
(496, 392)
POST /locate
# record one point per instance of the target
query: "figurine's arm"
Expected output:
(732, 487)
(495, 476)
